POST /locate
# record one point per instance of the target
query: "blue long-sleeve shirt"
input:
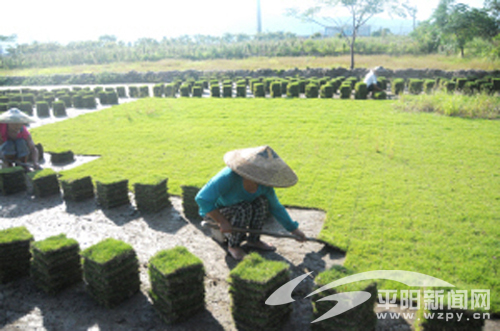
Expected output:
(226, 189)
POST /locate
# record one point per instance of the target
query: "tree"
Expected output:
(382, 32)
(412, 12)
(360, 11)
(493, 7)
(6, 39)
(459, 24)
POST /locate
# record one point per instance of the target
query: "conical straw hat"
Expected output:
(14, 115)
(262, 165)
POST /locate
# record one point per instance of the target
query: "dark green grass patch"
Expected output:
(255, 269)
(17, 234)
(402, 190)
(107, 250)
(41, 174)
(171, 260)
(55, 243)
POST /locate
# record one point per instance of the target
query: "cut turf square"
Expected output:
(56, 263)
(12, 180)
(112, 194)
(78, 189)
(252, 281)
(178, 290)
(153, 196)
(111, 272)
(63, 157)
(189, 204)
(361, 317)
(14, 253)
(45, 182)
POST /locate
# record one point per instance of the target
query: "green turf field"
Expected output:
(408, 191)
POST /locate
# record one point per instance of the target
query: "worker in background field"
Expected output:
(242, 195)
(371, 80)
(16, 141)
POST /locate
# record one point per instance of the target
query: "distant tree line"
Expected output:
(107, 49)
(453, 27)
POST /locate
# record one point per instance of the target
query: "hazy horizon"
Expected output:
(57, 21)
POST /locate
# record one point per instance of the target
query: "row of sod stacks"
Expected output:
(12, 180)
(111, 272)
(114, 194)
(78, 189)
(56, 263)
(62, 157)
(189, 203)
(151, 198)
(45, 182)
(14, 253)
(251, 283)
(177, 288)
(360, 318)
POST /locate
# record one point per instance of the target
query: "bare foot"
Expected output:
(261, 245)
(237, 253)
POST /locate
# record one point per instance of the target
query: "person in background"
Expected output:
(371, 80)
(242, 195)
(16, 141)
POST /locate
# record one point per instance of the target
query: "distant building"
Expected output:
(364, 31)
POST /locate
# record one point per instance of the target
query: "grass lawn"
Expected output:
(253, 63)
(408, 191)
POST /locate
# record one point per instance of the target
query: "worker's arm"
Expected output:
(224, 224)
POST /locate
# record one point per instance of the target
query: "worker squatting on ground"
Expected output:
(16, 144)
(371, 80)
(242, 195)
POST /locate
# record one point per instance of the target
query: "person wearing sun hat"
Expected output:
(16, 142)
(371, 79)
(242, 195)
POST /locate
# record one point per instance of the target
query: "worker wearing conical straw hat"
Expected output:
(242, 195)
(16, 141)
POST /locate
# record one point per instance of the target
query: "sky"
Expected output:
(61, 21)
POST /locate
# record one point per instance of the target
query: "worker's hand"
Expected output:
(301, 236)
(37, 166)
(225, 226)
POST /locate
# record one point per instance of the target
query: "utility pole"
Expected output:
(259, 19)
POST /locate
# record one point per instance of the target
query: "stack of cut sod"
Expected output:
(113, 194)
(14, 253)
(78, 189)
(62, 157)
(45, 182)
(191, 209)
(56, 263)
(152, 197)
(111, 272)
(12, 180)
(361, 318)
(178, 290)
(252, 282)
